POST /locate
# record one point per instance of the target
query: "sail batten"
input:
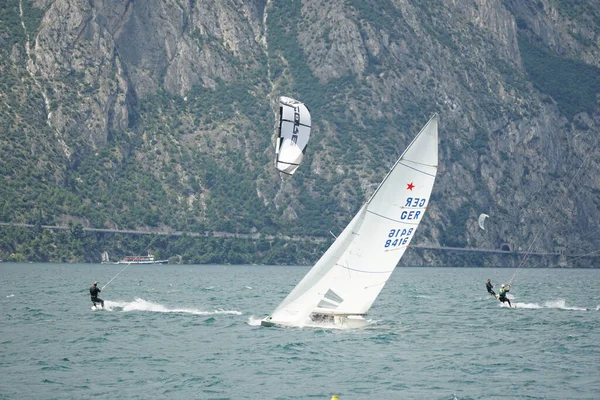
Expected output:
(393, 219)
(367, 271)
(420, 170)
(364, 255)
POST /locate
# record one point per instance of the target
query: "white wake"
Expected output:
(560, 304)
(143, 305)
(253, 321)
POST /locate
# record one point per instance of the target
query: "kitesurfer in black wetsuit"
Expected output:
(94, 290)
(489, 287)
(502, 294)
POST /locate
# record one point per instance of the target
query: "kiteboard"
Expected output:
(514, 305)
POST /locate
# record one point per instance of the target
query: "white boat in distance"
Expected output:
(341, 287)
(149, 259)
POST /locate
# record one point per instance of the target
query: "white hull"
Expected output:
(143, 262)
(337, 322)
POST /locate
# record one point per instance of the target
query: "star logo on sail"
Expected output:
(410, 186)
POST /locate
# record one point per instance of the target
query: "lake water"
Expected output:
(192, 332)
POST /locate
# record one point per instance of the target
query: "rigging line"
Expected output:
(591, 234)
(583, 163)
(129, 263)
(546, 223)
(467, 145)
(113, 278)
(585, 255)
(548, 220)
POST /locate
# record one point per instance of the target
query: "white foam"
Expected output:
(528, 305)
(560, 304)
(10, 295)
(143, 305)
(253, 321)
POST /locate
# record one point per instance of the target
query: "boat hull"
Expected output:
(334, 322)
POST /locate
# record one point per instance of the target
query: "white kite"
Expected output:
(481, 220)
(293, 135)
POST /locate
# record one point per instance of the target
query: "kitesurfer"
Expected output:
(489, 287)
(502, 294)
(94, 290)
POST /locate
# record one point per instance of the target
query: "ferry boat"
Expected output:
(149, 259)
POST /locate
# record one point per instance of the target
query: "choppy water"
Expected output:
(191, 332)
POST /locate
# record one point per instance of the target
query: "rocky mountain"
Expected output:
(160, 115)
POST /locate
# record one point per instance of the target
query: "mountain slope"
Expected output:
(159, 115)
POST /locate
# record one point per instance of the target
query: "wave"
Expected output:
(143, 305)
(10, 295)
(560, 304)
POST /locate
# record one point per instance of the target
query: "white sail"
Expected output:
(481, 220)
(293, 135)
(345, 282)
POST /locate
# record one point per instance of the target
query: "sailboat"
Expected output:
(340, 288)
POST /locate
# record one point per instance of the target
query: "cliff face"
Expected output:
(118, 51)
(185, 91)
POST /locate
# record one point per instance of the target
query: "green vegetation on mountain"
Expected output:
(573, 84)
(161, 118)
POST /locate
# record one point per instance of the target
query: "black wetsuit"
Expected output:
(94, 290)
(503, 297)
(489, 287)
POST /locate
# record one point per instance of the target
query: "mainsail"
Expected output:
(341, 287)
(293, 135)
